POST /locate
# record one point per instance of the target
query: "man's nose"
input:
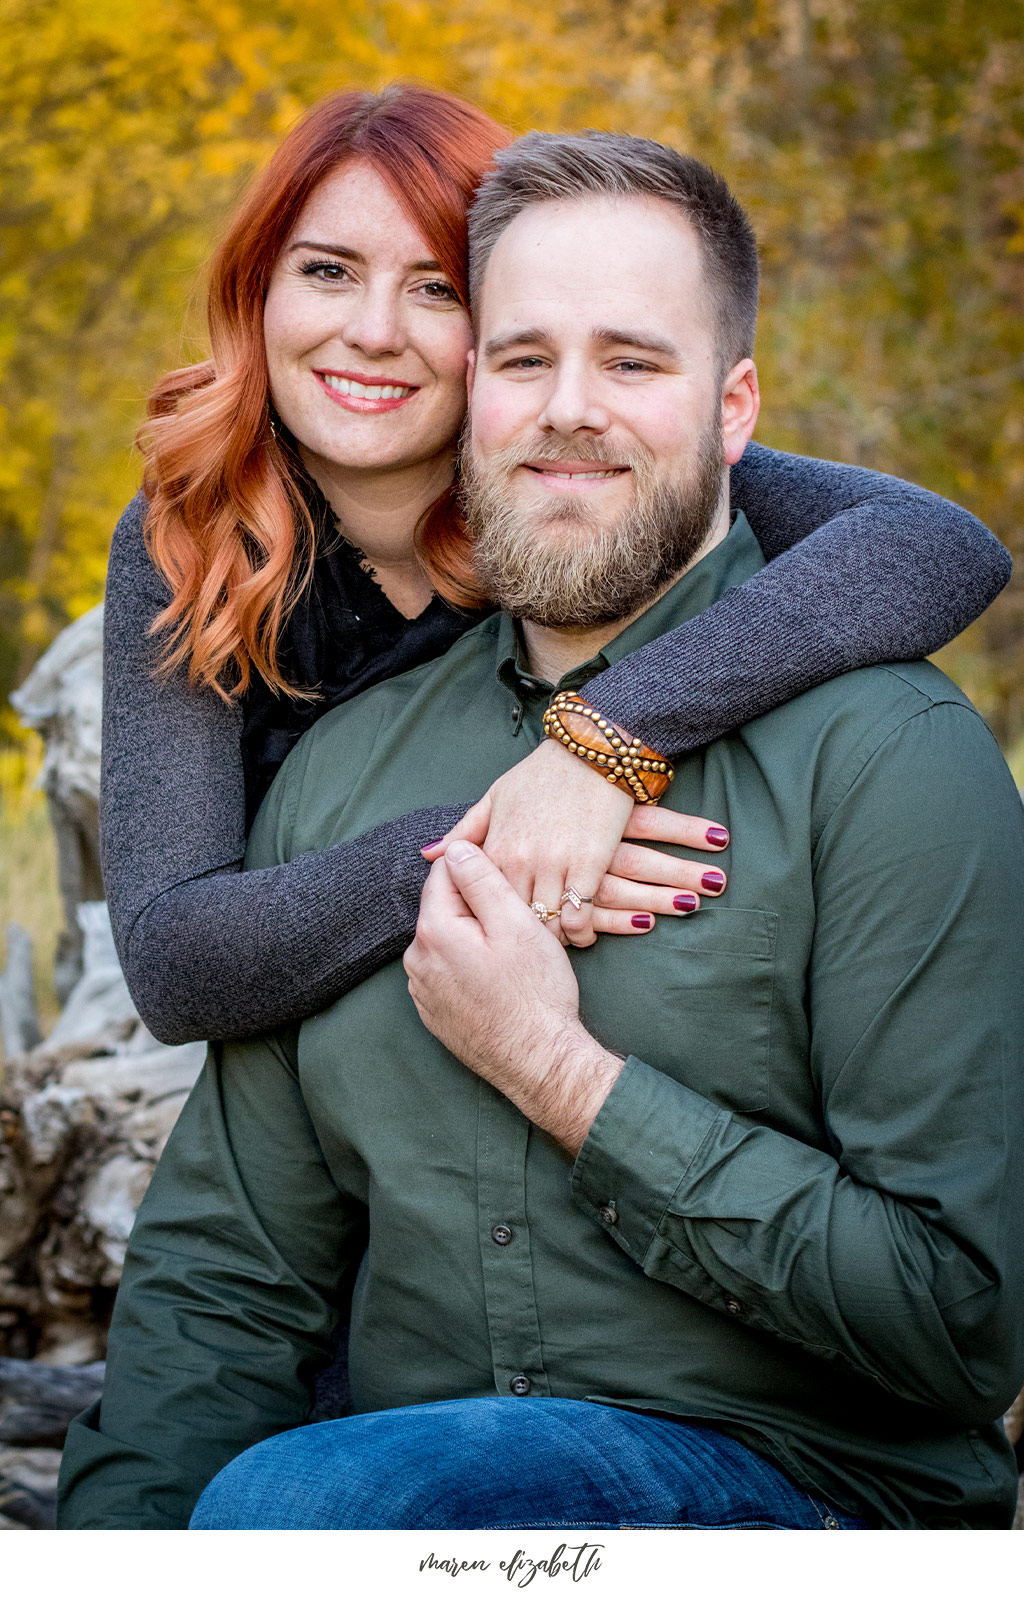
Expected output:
(573, 403)
(374, 322)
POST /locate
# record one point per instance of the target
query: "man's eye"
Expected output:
(523, 363)
(326, 271)
(633, 366)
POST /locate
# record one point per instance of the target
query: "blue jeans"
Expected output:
(507, 1463)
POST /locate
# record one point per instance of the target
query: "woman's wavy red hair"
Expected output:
(228, 527)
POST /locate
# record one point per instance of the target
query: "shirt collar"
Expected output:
(733, 561)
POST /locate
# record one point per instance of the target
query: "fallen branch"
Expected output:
(38, 1402)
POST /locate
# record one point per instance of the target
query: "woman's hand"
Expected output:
(551, 822)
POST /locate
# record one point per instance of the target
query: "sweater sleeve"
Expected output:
(210, 951)
(862, 569)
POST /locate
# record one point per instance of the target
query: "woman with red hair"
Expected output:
(299, 539)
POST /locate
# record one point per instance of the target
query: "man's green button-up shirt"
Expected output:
(799, 1214)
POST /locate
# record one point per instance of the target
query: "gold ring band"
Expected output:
(541, 911)
(573, 897)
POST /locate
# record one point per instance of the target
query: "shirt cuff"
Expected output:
(641, 1144)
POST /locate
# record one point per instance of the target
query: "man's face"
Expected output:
(596, 465)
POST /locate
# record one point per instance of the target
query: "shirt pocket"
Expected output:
(692, 998)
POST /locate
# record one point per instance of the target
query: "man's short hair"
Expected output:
(554, 166)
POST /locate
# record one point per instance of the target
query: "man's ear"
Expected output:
(741, 402)
(470, 373)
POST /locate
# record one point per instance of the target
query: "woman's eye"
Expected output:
(439, 290)
(326, 271)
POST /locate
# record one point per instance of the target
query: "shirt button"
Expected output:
(520, 1384)
(501, 1234)
(734, 1307)
(609, 1214)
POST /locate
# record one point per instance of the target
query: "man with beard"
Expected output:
(716, 1228)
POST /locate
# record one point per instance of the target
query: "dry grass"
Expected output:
(28, 867)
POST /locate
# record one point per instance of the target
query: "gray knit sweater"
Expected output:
(861, 569)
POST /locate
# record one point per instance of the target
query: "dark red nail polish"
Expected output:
(713, 880)
(643, 921)
(432, 845)
(686, 902)
(717, 836)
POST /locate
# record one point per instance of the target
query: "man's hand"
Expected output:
(490, 982)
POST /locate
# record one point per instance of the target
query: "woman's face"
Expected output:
(366, 340)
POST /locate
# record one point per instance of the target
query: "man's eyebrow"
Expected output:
(345, 254)
(518, 336)
(634, 338)
(637, 339)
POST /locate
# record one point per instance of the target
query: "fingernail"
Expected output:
(642, 921)
(461, 850)
(717, 836)
(713, 880)
(686, 902)
(432, 845)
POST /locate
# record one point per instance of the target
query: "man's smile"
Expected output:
(567, 476)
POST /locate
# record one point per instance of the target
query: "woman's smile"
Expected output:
(362, 392)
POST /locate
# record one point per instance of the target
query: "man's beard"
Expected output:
(561, 567)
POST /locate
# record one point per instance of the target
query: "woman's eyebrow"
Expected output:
(346, 254)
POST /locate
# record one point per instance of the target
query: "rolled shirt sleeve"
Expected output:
(896, 1249)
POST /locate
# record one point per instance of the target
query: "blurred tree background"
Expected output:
(877, 144)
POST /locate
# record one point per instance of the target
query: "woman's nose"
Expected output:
(374, 324)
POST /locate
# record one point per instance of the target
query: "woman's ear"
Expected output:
(741, 402)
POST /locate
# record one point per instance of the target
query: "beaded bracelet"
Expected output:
(633, 767)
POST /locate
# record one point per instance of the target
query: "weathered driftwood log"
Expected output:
(28, 1488)
(85, 1112)
(38, 1402)
(83, 1119)
(77, 1151)
(19, 1018)
(62, 699)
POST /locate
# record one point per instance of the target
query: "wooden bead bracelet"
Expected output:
(633, 767)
